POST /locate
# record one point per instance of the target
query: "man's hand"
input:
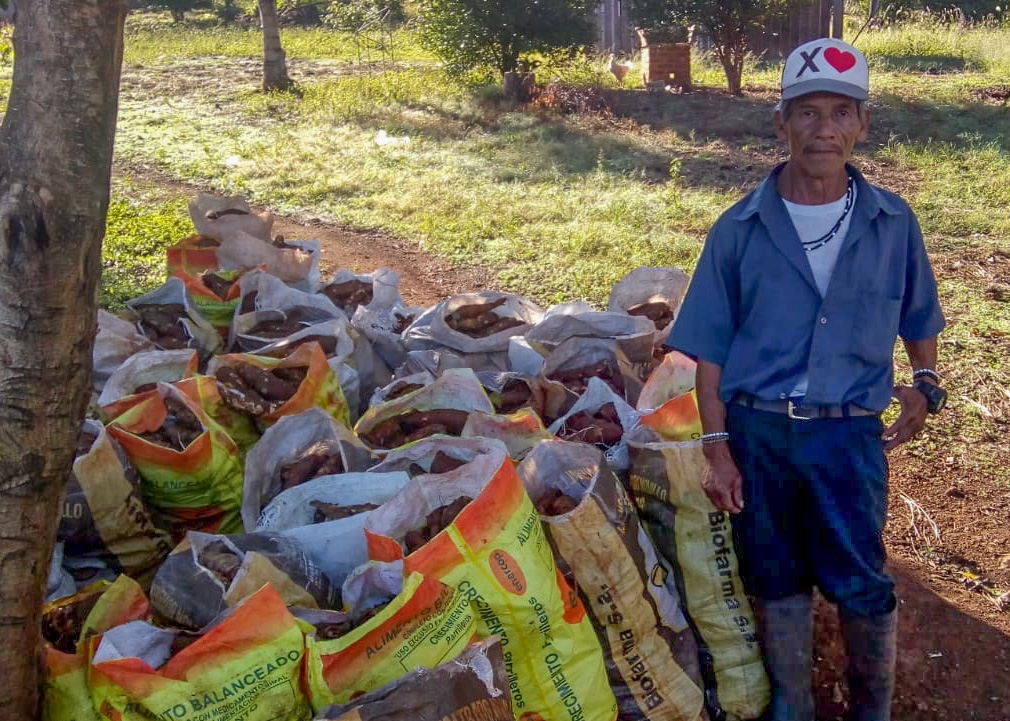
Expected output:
(723, 483)
(911, 420)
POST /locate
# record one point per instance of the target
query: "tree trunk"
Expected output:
(734, 75)
(519, 87)
(275, 70)
(732, 52)
(55, 160)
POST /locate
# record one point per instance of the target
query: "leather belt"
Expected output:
(802, 411)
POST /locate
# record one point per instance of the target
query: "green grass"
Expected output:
(133, 253)
(153, 38)
(468, 184)
(930, 45)
(558, 207)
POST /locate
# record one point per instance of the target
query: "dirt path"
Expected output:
(424, 278)
(954, 645)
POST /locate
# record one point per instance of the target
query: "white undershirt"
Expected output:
(812, 222)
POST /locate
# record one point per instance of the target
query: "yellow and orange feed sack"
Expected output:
(427, 624)
(495, 552)
(198, 488)
(247, 668)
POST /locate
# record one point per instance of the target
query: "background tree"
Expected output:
(353, 15)
(727, 22)
(55, 161)
(474, 34)
(227, 11)
(179, 8)
(275, 69)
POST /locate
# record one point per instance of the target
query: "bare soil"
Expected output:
(954, 637)
(424, 279)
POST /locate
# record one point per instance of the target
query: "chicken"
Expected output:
(618, 68)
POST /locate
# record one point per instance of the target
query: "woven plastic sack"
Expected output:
(319, 389)
(265, 297)
(427, 623)
(627, 587)
(115, 341)
(65, 693)
(200, 332)
(284, 443)
(665, 483)
(457, 389)
(156, 366)
(194, 254)
(576, 353)
(207, 392)
(473, 686)
(221, 217)
(217, 309)
(597, 394)
(495, 552)
(207, 574)
(519, 431)
(431, 330)
(650, 285)
(294, 263)
(249, 666)
(199, 487)
(417, 458)
(336, 547)
(103, 515)
(337, 342)
(633, 335)
(668, 402)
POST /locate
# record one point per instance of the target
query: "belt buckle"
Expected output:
(791, 412)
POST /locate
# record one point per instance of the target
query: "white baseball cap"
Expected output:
(826, 66)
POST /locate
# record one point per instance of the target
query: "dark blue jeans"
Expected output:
(815, 497)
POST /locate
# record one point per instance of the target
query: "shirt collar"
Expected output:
(870, 200)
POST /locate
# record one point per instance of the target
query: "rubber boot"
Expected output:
(871, 644)
(787, 635)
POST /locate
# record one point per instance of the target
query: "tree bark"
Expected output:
(56, 144)
(275, 70)
(732, 51)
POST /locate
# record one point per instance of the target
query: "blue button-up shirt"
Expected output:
(753, 306)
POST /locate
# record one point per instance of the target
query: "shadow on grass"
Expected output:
(730, 142)
(964, 125)
(722, 143)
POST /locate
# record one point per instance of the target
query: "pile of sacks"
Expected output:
(300, 498)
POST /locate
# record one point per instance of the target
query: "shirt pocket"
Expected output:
(875, 327)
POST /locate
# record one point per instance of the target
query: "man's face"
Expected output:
(822, 129)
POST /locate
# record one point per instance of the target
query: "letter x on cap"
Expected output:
(826, 66)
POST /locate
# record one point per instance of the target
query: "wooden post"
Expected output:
(837, 19)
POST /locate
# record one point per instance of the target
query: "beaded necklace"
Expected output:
(850, 193)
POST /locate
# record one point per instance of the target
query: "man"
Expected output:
(792, 314)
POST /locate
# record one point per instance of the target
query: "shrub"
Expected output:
(472, 35)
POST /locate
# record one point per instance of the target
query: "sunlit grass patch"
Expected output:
(354, 97)
(930, 45)
(148, 42)
(133, 252)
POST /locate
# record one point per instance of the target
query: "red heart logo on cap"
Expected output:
(840, 60)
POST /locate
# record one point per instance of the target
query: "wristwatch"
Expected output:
(936, 397)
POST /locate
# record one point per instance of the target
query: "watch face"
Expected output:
(939, 399)
(935, 395)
